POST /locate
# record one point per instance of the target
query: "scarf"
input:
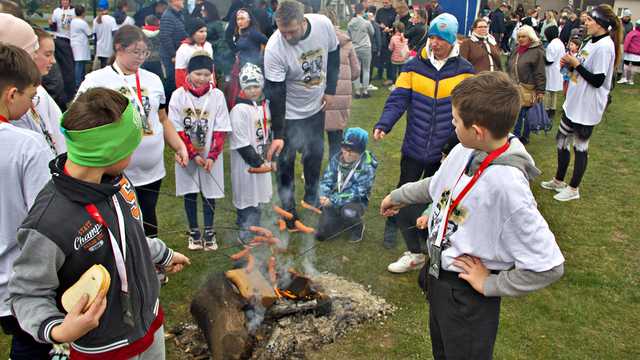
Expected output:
(522, 49)
(197, 91)
(151, 27)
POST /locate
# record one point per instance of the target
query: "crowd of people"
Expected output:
(85, 128)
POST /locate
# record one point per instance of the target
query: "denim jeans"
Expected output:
(522, 129)
(191, 208)
(246, 217)
(334, 138)
(79, 72)
(361, 84)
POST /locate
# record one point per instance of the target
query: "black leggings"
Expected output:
(570, 133)
(148, 199)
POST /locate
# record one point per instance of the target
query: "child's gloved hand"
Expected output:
(421, 222)
(324, 201)
(208, 165)
(76, 324)
(178, 261)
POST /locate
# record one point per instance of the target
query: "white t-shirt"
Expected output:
(25, 170)
(554, 52)
(80, 33)
(584, 103)
(215, 116)
(184, 52)
(147, 162)
(63, 18)
(497, 221)
(45, 120)
(248, 122)
(104, 35)
(303, 66)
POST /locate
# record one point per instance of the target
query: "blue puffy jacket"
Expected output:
(425, 94)
(359, 187)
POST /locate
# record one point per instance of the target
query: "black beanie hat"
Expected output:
(200, 60)
(193, 25)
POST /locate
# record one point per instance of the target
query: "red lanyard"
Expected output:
(265, 129)
(487, 161)
(3, 119)
(138, 88)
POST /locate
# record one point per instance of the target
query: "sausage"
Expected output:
(302, 227)
(242, 253)
(310, 207)
(280, 211)
(282, 226)
(261, 231)
(260, 170)
(250, 263)
(272, 270)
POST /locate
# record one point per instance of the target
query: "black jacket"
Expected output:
(565, 34)
(497, 22)
(60, 241)
(172, 32)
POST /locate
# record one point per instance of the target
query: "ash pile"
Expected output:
(305, 315)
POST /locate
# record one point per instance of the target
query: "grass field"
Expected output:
(591, 313)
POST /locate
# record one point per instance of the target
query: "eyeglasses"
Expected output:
(141, 54)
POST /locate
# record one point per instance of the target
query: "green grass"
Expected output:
(591, 313)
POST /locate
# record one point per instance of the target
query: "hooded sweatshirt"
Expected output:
(59, 241)
(497, 221)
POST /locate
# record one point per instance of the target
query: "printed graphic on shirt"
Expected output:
(90, 237)
(146, 104)
(196, 126)
(261, 147)
(311, 64)
(457, 218)
(126, 190)
(66, 21)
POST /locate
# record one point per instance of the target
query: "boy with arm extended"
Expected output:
(88, 214)
(487, 238)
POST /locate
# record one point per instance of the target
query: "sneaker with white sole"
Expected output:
(210, 242)
(195, 240)
(407, 262)
(554, 185)
(372, 87)
(567, 194)
(622, 81)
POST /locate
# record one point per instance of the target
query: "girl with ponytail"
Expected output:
(587, 97)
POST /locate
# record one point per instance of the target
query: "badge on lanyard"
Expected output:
(139, 105)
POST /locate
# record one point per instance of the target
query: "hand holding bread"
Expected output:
(79, 322)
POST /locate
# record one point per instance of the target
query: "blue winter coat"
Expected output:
(425, 94)
(359, 187)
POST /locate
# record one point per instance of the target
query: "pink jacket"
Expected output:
(397, 45)
(338, 113)
(632, 42)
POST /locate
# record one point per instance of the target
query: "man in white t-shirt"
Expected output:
(60, 22)
(301, 62)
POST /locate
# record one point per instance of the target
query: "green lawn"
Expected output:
(591, 313)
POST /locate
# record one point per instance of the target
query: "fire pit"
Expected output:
(325, 307)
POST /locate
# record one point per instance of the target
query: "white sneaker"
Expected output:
(392, 87)
(567, 194)
(622, 81)
(553, 184)
(372, 87)
(407, 262)
(210, 243)
(631, 83)
(195, 244)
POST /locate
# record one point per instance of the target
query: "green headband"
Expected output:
(104, 145)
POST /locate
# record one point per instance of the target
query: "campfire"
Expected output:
(260, 310)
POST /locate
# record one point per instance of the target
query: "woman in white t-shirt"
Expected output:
(199, 113)
(104, 26)
(60, 20)
(553, 53)
(145, 90)
(80, 33)
(197, 41)
(587, 97)
(44, 115)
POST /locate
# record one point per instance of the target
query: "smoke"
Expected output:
(255, 316)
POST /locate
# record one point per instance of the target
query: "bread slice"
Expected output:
(93, 281)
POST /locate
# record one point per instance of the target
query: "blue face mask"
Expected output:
(365, 16)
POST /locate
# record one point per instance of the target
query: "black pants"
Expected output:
(64, 58)
(578, 135)
(463, 323)
(335, 220)
(148, 199)
(307, 137)
(411, 170)
(334, 138)
(23, 346)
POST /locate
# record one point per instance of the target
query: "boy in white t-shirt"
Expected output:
(249, 139)
(199, 113)
(487, 238)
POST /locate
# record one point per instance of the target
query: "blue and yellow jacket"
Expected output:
(425, 94)
(357, 189)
